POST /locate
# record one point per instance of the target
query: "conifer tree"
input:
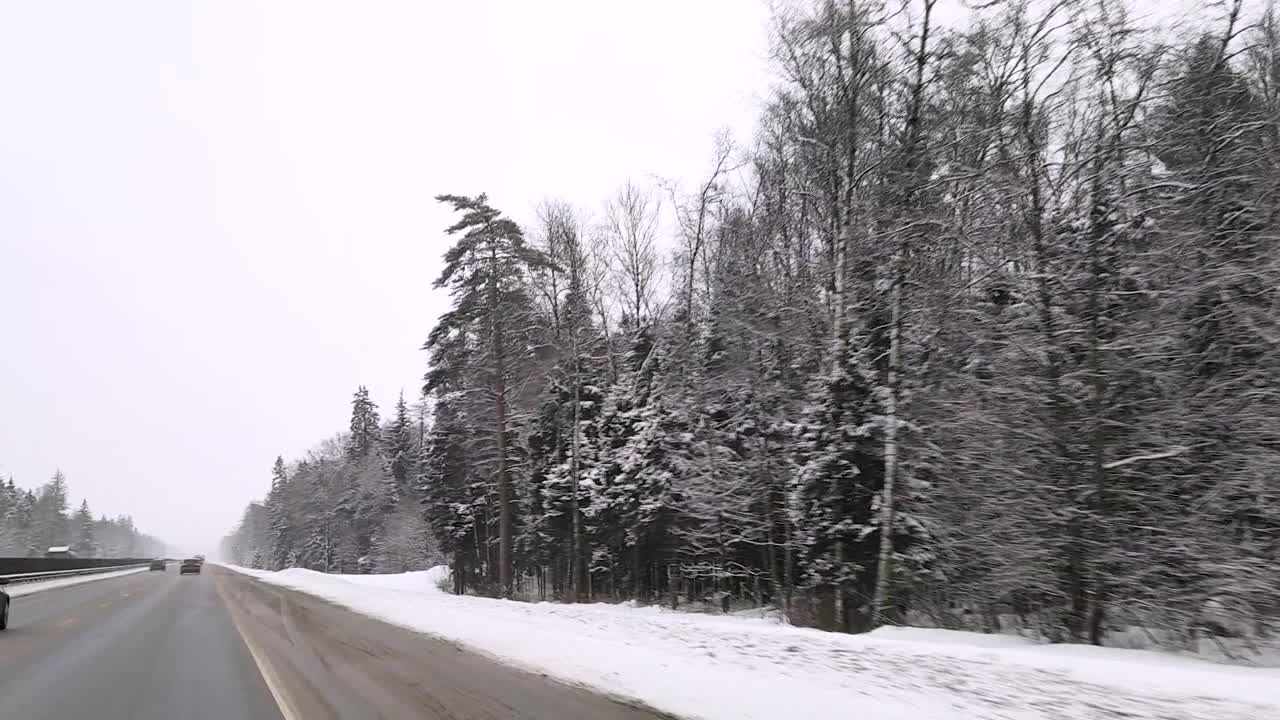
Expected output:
(486, 272)
(84, 524)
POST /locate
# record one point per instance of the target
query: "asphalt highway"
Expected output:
(147, 646)
(224, 646)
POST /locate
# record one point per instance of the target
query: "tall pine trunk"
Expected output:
(500, 432)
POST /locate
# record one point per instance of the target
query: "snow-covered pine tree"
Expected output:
(365, 425)
(839, 452)
(50, 524)
(487, 271)
(85, 545)
(280, 518)
(400, 448)
(446, 486)
(14, 520)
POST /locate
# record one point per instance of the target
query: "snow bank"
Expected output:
(718, 667)
(420, 581)
(30, 588)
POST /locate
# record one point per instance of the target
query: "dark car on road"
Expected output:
(4, 605)
(190, 566)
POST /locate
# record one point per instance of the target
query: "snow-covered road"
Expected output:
(717, 667)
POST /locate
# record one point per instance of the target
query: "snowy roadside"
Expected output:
(717, 667)
(31, 588)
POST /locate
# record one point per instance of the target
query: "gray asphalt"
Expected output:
(156, 646)
(148, 646)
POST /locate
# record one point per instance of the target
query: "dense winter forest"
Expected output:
(34, 521)
(353, 504)
(1009, 288)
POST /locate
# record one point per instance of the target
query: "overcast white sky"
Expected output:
(216, 218)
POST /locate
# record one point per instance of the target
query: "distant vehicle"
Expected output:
(59, 551)
(157, 565)
(4, 605)
(190, 566)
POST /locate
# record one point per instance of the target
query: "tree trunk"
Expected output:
(500, 436)
(839, 619)
(1097, 612)
(1095, 510)
(913, 133)
(884, 565)
(637, 587)
(575, 558)
(504, 492)
(613, 578)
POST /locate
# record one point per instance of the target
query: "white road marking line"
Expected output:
(274, 686)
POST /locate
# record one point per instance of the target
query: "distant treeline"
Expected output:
(351, 505)
(32, 521)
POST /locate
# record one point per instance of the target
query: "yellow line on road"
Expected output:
(268, 672)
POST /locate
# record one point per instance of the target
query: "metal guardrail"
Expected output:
(55, 574)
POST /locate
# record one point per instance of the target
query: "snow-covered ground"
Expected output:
(736, 668)
(30, 588)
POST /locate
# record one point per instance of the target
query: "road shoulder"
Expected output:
(331, 662)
